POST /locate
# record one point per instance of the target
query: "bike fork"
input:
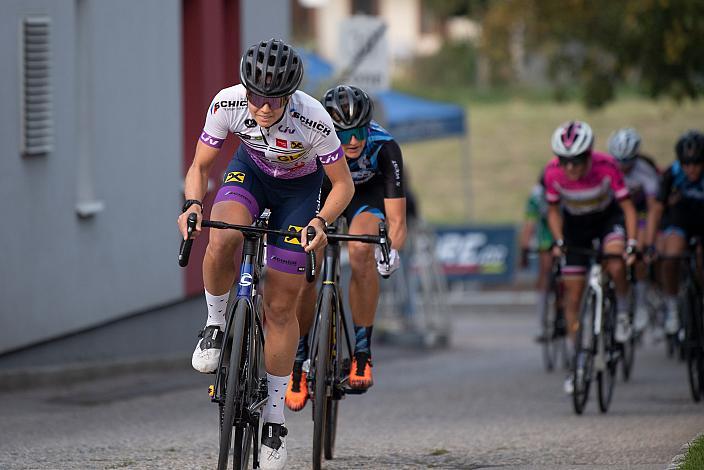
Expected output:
(595, 284)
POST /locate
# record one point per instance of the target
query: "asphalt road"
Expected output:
(485, 402)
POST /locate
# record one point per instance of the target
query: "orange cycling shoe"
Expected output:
(361, 374)
(297, 390)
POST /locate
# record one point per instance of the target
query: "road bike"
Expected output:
(596, 351)
(331, 345)
(691, 311)
(553, 334)
(240, 388)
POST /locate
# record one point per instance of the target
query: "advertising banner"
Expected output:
(477, 253)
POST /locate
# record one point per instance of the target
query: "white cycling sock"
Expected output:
(623, 303)
(217, 304)
(671, 304)
(640, 293)
(274, 410)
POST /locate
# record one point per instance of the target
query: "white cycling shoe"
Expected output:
(207, 353)
(273, 455)
(568, 385)
(672, 322)
(641, 318)
(623, 327)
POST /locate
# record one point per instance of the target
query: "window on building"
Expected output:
(37, 124)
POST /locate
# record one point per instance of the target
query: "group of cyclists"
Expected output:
(309, 162)
(624, 203)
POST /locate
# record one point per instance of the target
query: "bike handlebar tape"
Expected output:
(310, 258)
(185, 251)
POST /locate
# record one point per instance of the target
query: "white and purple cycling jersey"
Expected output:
(643, 182)
(288, 149)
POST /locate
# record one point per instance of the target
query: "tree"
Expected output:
(598, 44)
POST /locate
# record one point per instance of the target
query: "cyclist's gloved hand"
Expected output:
(558, 248)
(394, 262)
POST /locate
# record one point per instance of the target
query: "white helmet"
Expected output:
(572, 139)
(624, 145)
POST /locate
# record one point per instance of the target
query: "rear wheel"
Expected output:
(606, 378)
(693, 346)
(323, 377)
(629, 349)
(584, 356)
(550, 338)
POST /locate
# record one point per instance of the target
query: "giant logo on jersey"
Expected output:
(289, 158)
(311, 124)
(227, 104)
(234, 177)
(293, 240)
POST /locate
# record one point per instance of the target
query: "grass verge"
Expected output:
(694, 460)
(489, 174)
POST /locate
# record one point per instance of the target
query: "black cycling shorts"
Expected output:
(686, 218)
(580, 232)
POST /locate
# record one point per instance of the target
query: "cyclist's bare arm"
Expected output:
(339, 197)
(555, 224)
(196, 183)
(527, 232)
(631, 218)
(555, 221)
(653, 222)
(396, 218)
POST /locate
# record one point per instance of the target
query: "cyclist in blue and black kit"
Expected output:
(376, 165)
(287, 144)
(682, 192)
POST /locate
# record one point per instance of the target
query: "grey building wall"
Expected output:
(264, 19)
(116, 81)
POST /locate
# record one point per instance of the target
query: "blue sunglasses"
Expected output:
(359, 133)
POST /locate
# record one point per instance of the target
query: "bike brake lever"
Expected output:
(310, 257)
(185, 251)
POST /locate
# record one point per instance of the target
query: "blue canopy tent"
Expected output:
(408, 118)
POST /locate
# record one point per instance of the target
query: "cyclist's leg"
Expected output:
(237, 202)
(579, 233)
(675, 244)
(542, 285)
(293, 204)
(614, 243)
(642, 283)
(366, 210)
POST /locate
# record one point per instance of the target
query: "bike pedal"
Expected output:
(355, 391)
(211, 390)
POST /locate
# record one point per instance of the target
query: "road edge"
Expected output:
(678, 459)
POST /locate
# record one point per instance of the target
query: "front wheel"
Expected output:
(584, 352)
(693, 346)
(233, 414)
(322, 376)
(331, 428)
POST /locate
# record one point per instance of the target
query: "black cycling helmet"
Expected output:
(271, 68)
(348, 106)
(690, 147)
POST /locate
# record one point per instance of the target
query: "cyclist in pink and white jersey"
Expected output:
(588, 199)
(288, 142)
